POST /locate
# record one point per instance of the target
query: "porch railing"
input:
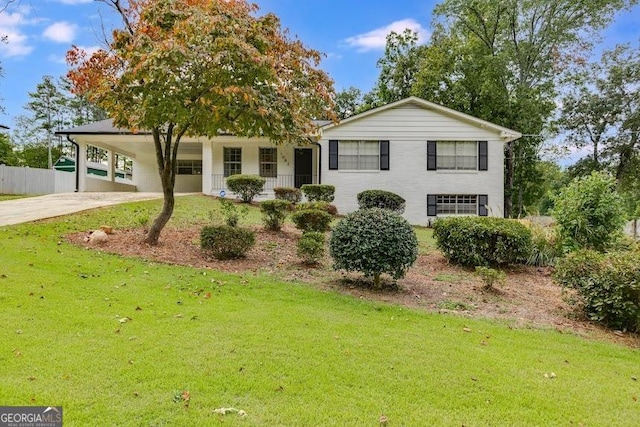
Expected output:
(219, 182)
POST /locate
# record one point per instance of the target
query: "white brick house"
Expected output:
(441, 161)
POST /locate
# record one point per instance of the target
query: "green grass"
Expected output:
(114, 340)
(12, 196)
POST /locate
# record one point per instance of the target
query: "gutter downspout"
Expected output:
(77, 162)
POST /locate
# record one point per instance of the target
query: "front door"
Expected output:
(303, 167)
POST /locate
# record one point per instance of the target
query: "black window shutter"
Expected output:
(483, 201)
(432, 207)
(333, 154)
(384, 155)
(431, 156)
(483, 156)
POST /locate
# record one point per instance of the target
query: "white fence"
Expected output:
(35, 181)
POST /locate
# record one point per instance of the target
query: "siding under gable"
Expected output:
(409, 122)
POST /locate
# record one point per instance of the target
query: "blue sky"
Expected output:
(350, 32)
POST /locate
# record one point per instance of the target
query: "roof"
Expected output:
(103, 127)
(106, 127)
(505, 133)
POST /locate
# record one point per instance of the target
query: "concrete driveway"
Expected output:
(33, 208)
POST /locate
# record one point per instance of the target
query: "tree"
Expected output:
(196, 67)
(499, 60)
(348, 102)
(47, 107)
(7, 151)
(590, 213)
(601, 111)
(51, 107)
(398, 68)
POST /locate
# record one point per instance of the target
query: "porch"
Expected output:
(219, 183)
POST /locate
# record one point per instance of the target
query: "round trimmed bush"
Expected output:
(319, 192)
(311, 220)
(225, 242)
(323, 206)
(246, 186)
(473, 241)
(291, 194)
(381, 199)
(374, 241)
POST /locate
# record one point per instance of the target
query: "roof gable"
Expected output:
(505, 133)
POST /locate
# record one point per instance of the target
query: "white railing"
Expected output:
(219, 182)
(15, 180)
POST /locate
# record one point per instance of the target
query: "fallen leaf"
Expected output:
(467, 329)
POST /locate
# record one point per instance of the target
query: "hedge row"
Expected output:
(481, 241)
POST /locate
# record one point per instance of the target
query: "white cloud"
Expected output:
(377, 39)
(61, 32)
(17, 42)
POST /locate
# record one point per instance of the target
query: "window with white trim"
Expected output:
(232, 161)
(457, 155)
(359, 155)
(268, 159)
(457, 204)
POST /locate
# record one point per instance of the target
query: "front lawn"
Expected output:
(119, 341)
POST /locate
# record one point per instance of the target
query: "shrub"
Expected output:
(490, 276)
(374, 241)
(231, 213)
(311, 220)
(311, 247)
(225, 242)
(544, 248)
(274, 212)
(319, 192)
(478, 241)
(247, 186)
(290, 194)
(590, 213)
(609, 285)
(322, 206)
(381, 199)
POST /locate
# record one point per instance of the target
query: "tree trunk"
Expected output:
(376, 280)
(167, 209)
(167, 163)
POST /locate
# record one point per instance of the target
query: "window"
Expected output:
(124, 166)
(189, 167)
(232, 161)
(457, 155)
(457, 204)
(268, 162)
(359, 155)
(97, 155)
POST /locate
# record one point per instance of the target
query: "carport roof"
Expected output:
(106, 127)
(103, 127)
